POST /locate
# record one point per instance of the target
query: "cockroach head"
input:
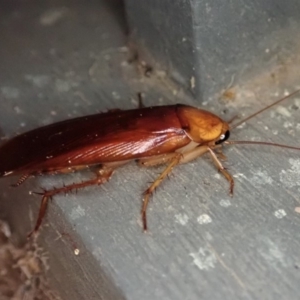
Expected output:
(202, 126)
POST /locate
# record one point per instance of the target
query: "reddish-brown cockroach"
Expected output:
(169, 135)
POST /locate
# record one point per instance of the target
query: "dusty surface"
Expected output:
(22, 270)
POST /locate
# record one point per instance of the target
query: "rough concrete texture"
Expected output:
(61, 60)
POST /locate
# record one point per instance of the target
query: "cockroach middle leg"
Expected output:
(103, 175)
(175, 161)
(221, 169)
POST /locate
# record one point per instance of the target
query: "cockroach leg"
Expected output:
(21, 180)
(140, 99)
(193, 154)
(103, 175)
(220, 155)
(155, 160)
(175, 161)
(221, 169)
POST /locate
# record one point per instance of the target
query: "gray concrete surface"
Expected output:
(65, 59)
(204, 44)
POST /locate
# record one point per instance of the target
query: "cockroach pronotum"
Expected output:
(170, 135)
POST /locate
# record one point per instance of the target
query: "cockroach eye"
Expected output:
(223, 137)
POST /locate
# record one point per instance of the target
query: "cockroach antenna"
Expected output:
(255, 114)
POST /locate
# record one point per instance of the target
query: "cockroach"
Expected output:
(171, 135)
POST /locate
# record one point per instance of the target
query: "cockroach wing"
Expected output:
(95, 139)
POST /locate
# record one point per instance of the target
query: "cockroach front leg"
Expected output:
(173, 159)
(103, 175)
(221, 169)
(192, 154)
(220, 155)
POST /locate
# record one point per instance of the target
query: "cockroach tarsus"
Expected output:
(170, 135)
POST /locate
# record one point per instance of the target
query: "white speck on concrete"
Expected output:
(204, 259)
(297, 102)
(273, 254)
(181, 219)
(98, 253)
(217, 176)
(291, 177)
(204, 219)
(275, 132)
(62, 86)
(52, 16)
(239, 175)
(10, 92)
(283, 111)
(261, 178)
(287, 124)
(39, 81)
(18, 110)
(225, 203)
(77, 212)
(116, 95)
(193, 82)
(47, 120)
(280, 213)
(241, 126)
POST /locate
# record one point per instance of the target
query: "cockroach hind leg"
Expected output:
(48, 194)
(42, 212)
(21, 180)
(149, 191)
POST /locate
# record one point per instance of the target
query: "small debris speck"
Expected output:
(52, 16)
(283, 111)
(225, 203)
(181, 219)
(280, 213)
(204, 259)
(204, 219)
(9, 92)
(193, 82)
